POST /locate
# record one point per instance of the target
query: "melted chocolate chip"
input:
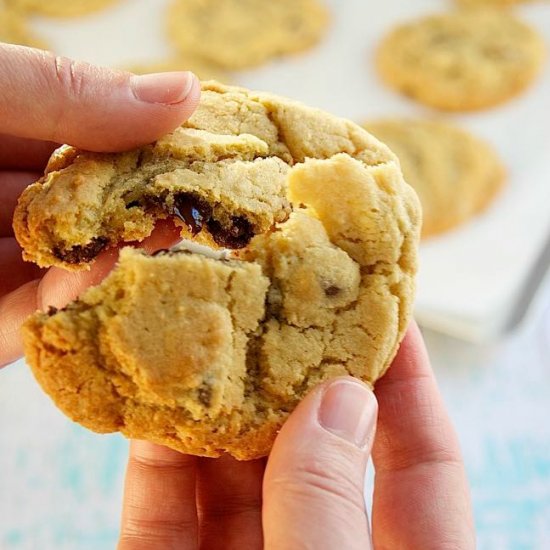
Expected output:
(332, 290)
(192, 211)
(196, 213)
(237, 235)
(81, 253)
(51, 311)
(151, 202)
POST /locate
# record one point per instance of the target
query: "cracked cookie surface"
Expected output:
(466, 60)
(455, 174)
(210, 355)
(244, 33)
(221, 176)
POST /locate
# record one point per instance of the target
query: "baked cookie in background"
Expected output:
(236, 34)
(466, 60)
(494, 3)
(14, 29)
(60, 8)
(455, 174)
(205, 70)
(209, 354)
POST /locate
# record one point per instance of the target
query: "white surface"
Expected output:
(471, 278)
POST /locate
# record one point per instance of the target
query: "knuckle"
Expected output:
(162, 466)
(70, 84)
(69, 75)
(314, 480)
(142, 533)
(153, 528)
(233, 506)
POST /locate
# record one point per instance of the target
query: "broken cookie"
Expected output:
(210, 354)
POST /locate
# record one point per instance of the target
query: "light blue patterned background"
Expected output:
(60, 485)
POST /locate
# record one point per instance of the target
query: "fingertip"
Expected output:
(339, 412)
(152, 106)
(411, 361)
(348, 409)
(59, 286)
(169, 88)
(89, 107)
(15, 307)
(413, 336)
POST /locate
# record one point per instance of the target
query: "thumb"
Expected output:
(313, 484)
(56, 99)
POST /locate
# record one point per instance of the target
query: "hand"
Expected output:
(310, 493)
(47, 100)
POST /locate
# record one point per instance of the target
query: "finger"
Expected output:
(313, 484)
(421, 497)
(86, 106)
(24, 154)
(58, 287)
(229, 495)
(11, 186)
(15, 307)
(14, 272)
(159, 510)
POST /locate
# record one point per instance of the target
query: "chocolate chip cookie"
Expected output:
(455, 174)
(60, 8)
(236, 34)
(210, 354)
(14, 29)
(466, 60)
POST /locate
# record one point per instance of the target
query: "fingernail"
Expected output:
(166, 88)
(348, 409)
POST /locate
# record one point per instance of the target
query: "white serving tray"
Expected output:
(476, 282)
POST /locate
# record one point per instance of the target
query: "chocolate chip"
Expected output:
(81, 253)
(195, 213)
(204, 393)
(152, 202)
(332, 290)
(51, 311)
(236, 235)
(192, 211)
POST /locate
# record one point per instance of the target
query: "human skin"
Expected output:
(309, 492)
(45, 101)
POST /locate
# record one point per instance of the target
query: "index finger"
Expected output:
(421, 496)
(58, 287)
(159, 508)
(89, 107)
